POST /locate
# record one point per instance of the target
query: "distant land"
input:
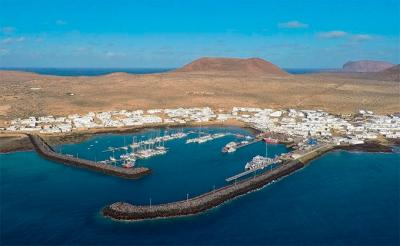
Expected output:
(254, 66)
(205, 82)
(104, 71)
(366, 66)
(59, 71)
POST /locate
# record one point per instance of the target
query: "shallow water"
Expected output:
(341, 198)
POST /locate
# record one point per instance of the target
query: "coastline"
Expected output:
(12, 142)
(46, 151)
(126, 211)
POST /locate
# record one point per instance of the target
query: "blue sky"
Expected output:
(156, 33)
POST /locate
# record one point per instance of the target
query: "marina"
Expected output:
(199, 123)
(333, 172)
(194, 180)
(48, 152)
(127, 211)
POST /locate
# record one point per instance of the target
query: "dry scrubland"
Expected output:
(28, 94)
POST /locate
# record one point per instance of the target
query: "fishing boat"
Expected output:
(271, 140)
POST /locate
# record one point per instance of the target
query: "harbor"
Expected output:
(257, 170)
(47, 151)
(127, 211)
(175, 180)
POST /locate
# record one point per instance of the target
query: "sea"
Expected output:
(104, 71)
(341, 198)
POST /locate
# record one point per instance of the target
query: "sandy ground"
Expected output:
(28, 94)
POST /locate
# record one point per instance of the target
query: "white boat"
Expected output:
(129, 164)
(229, 147)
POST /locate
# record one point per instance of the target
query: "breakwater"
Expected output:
(127, 211)
(48, 152)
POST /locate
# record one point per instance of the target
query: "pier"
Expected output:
(241, 145)
(238, 145)
(247, 172)
(48, 152)
(127, 211)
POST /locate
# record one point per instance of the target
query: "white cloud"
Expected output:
(61, 22)
(293, 24)
(7, 30)
(332, 34)
(113, 54)
(361, 37)
(12, 40)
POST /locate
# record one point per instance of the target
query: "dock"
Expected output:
(241, 145)
(45, 150)
(242, 174)
(245, 173)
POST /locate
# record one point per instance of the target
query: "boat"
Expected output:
(271, 140)
(258, 162)
(230, 150)
(129, 164)
(229, 147)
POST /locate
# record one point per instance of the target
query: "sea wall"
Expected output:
(127, 211)
(47, 151)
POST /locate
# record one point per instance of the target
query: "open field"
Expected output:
(28, 94)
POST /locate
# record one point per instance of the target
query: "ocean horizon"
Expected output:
(91, 71)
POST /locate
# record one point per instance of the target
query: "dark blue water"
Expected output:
(103, 71)
(89, 71)
(342, 198)
(308, 70)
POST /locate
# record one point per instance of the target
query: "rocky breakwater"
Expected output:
(47, 151)
(127, 211)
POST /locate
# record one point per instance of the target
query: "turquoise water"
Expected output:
(342, 198)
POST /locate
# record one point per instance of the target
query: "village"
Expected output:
(350, 129)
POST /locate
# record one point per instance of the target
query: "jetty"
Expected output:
(127, 211)
(45, 150)
(253, 170)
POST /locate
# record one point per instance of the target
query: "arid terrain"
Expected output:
(28, 94)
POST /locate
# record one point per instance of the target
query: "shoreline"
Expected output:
(128, 212)
(47, 152)
(13, 142)
(122, 211)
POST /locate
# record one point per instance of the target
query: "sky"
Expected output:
(168, 33)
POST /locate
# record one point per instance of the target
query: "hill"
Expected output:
(392, 73)
(28, 94)
(253, 66)
(366, 66)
